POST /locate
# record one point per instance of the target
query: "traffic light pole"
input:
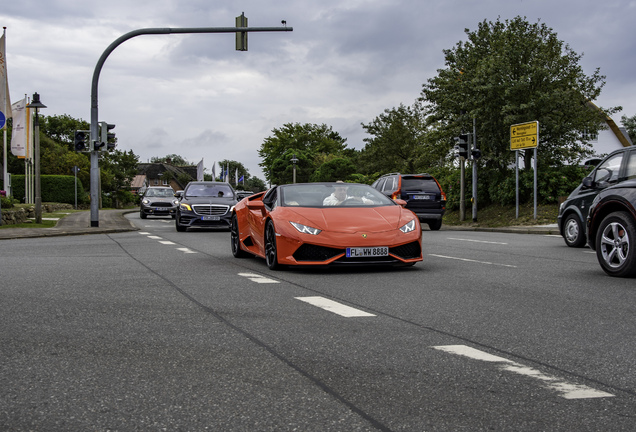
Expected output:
(94, 174)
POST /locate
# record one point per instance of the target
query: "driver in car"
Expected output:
(340, 194)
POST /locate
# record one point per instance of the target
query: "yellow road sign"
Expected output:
(524, 135)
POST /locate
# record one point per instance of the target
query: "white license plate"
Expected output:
(360, 252)
(210, 218)
(423, 197)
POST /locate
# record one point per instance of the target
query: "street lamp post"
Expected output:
(35, 103)
(294, 161)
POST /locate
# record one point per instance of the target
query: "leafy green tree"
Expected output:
(513, 72)
(61, 129)
(338, 168)
(173, 159)
(310, 143)
(118, 168)
(400, 142)
(630, 125)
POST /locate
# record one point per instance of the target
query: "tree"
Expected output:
(310, 143)
(400, 142)
(172, 159)
(513, 72)
(61, 129)
(118, 168)
(630, 125)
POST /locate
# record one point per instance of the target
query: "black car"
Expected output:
(158, 201)
(205, 204)
(573, 212)
(611, 226)
(422, 193)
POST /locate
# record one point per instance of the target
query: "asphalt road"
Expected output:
(159, 330)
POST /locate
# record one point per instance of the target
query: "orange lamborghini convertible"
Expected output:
(311, 224)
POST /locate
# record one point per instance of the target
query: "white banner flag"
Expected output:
(200, 171)
(19, 131)
(5, 99)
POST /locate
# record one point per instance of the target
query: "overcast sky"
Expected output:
(345, 62)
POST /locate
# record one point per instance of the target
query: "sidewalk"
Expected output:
(110, 221)
(114, 221)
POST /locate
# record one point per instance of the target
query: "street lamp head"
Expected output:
(35, 102)
(294, 159)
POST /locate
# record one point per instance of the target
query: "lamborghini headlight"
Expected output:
(305, 229)
(408, 227)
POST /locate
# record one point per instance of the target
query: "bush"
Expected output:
(499, 186)
(54, 188)
(6, 203)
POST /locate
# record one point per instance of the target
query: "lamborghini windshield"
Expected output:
(332, 195)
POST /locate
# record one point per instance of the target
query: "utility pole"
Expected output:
(94, 173)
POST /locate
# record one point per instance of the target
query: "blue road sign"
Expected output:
(3, 119)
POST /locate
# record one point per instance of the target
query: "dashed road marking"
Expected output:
(258, 278)
(335, 307)
(477, 241)
(567, 390)
(473, 261)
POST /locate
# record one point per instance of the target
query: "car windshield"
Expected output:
(330, 195)
(163, 193)
(419, 184)
(203, 190)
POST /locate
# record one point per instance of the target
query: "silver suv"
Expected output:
(158, 201)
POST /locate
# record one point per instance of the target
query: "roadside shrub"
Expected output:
(55, 188)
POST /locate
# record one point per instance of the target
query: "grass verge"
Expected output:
(495, 216)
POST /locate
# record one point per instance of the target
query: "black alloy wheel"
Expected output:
(616, 245)
(235, 240)
(573, 232)
(271, 254)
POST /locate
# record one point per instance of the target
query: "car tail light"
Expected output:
(441, 191)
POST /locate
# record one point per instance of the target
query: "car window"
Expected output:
(163, 193)
(332, 195)
(379, 183)
(609, 170)
(631, 165)
(390, 185)
(203, 190)
(419, 184)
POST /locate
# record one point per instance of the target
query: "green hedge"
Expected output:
(55, 188)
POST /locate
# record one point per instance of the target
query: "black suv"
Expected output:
(611, 226)
(422, 193)
(617, 167)
(205, 204)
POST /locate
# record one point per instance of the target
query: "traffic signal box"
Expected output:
(81, 140)
(107, 139)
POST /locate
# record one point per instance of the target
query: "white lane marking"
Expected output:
(258, 278)
(154, 237)
(553, 235)
(335, 307)
(567, 390)
(474, 261)
(477, 241)
(167, 242)
(144, 232)
(186, 250)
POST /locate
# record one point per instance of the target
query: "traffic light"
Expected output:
(241, 37)
(462, 145)
(107, 139)
(476, 153)
(81, 139)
